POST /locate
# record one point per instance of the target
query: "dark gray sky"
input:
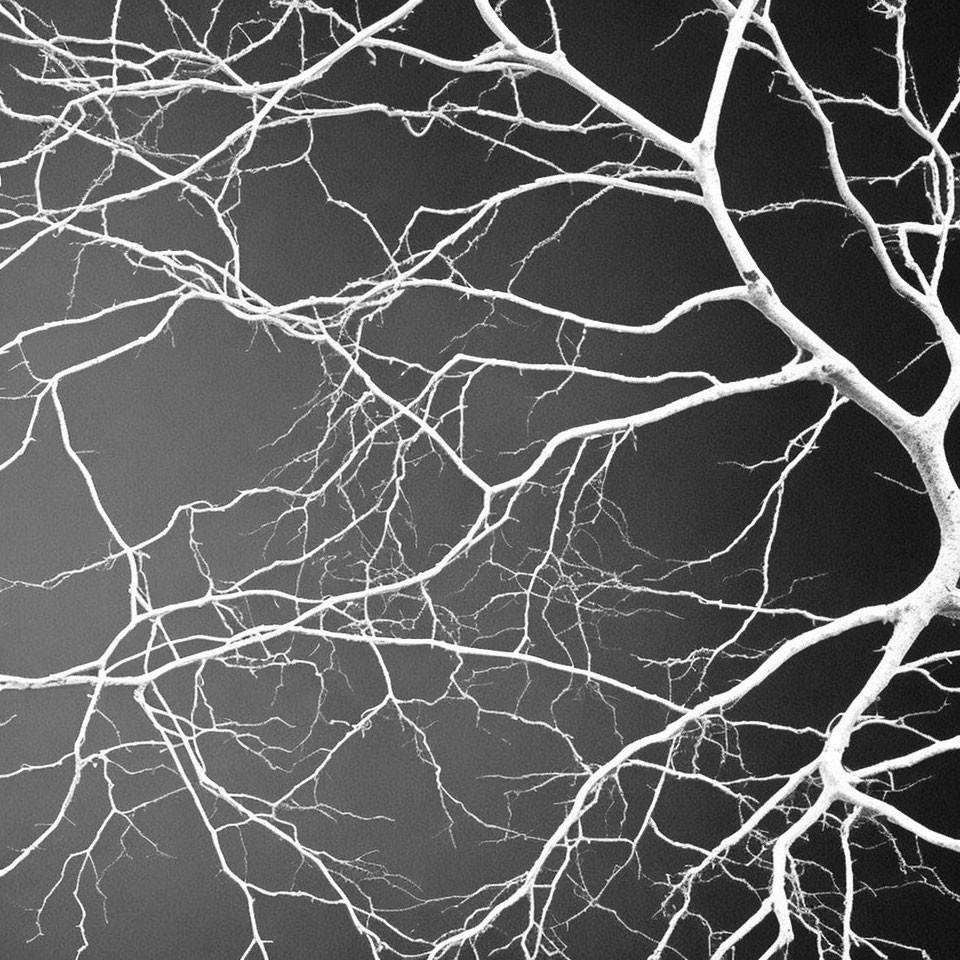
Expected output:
(217, 404)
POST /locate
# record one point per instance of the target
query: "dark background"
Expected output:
(190, 416)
